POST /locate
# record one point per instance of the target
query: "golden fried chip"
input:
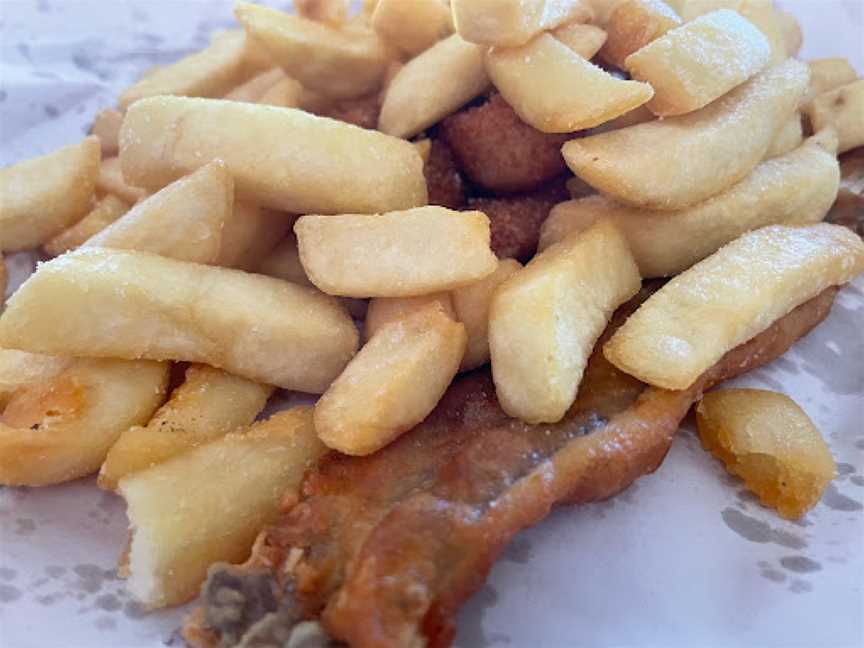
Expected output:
(769, 441)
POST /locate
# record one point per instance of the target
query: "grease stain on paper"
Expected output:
(758, 531)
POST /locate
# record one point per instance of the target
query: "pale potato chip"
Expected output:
(545, 319)
(796, 188)
(106, 126)
(557, 91)
(632, 25)
(510, 23)
(41, 197)
(788, 138)
(412, 26)
(843, 110)
(111, 181)
(692, 65)
(164, 138)
(585, 40)
(106, 211)
(721, 143)
(392, 383)
(726, 299)
(397, 254)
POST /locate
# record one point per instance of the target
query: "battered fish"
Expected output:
(385, 548)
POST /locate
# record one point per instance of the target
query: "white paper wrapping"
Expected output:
(684, 558)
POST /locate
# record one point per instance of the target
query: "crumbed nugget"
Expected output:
(515, 220)
(500, 152)
(445, 185)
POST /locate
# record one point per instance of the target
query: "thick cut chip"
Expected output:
(62, 428)
(184, 221)
(106, 211)
(555, 90)
(106, 126)
(208, 73)
(397, 254)
(632, 25)
(338, 63)
(96, 302)
(208, 504)
(508, 23)
(411, 26)
(279, 157)
(41, 197)
(729, 297)
(209, 404)
(679, 161)
(827, 74)
(393, 383)
(769, 441)
(386, 310)
(797, 188)
(545, 319)
(762, 13)
(585, 40)
(250, 234)
(788, 138)
(21, 369)
(692, 65)
(472, 304)
(111, 181)
(843, 110)
(433, 85)
(253, 89)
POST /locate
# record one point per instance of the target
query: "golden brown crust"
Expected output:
(361, 112)
(445, 185)
(848, 210)
(515, 220)
(499, 152)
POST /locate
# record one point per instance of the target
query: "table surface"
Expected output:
(685, 557)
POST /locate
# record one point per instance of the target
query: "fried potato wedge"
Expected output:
(41, 197)
(253, 89)
(632, 25)
(471, 304)
(769, 441)
(726, 299)
(761, 13)
(21, 369)
(383, 311)
(555, 90)
(208, 504)
(339, 63)
(788, 138)
(111, 181)
(208, 73)
(61, 429)
(96, 302)
(796, 188)
(411, 27)
(722, 142)
(284, 93)
(509, 23)
(283, 262)
(106, 126)
(585, 40)
(106, 211)
(843, 110)
(694, 64)
(393, 383)
(279, 157)
(792, 36)
(545, 319)
(184, 221)
(397, 254)
(250, 234)
(827, 74)
(209, 404)
(433, 85)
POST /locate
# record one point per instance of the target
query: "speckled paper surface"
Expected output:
(684, 558)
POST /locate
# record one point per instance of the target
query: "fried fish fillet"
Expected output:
(385, 548)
